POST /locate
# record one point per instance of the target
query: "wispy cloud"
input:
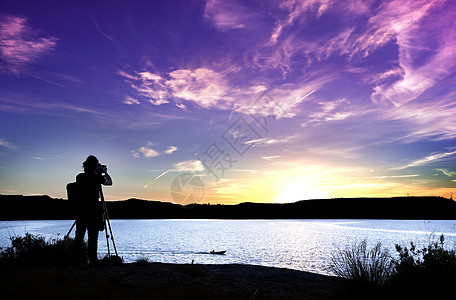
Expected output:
(395, 176)
(9, 145)
(21, 44)
(447, 172)
(47, 157)
(270, 141)
(162, 174)
(210, 89)
(202, 86)
(417, 35)
(295, 13)
(183, 166)
(330, 111)
(430, 119)
(426, 52)
(149, 86)
(20, 103)
(428, 159)
(104, 34)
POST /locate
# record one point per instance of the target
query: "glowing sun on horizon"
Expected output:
(300, 190)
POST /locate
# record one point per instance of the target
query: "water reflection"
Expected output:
(296, 244)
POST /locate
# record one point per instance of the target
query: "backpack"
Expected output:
(73, 192)
(75, 199)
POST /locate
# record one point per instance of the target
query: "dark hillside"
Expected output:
(18, 207)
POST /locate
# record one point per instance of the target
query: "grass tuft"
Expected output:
(142, 260)
(359, 263)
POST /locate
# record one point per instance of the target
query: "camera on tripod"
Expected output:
(101, 169)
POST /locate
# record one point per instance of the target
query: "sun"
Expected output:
(300, 190)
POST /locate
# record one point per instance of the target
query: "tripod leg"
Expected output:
(106, 222)
(110, 230)
(107, 240)
(72, 226)
(107, 225)
(112, 237)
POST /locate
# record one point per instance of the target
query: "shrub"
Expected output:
(359, 263)
(110, 261)
(35, 251)
(426, 270)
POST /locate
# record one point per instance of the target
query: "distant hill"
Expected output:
(18, 207)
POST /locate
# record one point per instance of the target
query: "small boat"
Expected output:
(218, 252)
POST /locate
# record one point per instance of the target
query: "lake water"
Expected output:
(296, 244)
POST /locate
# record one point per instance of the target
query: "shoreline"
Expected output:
(167, 281)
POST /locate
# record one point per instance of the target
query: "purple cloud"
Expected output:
(20, 44)
(226, 15)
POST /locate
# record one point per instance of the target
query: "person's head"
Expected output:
(90, 164)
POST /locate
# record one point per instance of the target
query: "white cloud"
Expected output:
(150, 76)
(181, 106)
(269, 158)
(189, 165)
(148, 151)
(146, 85)
(129, 100)
(170, 149)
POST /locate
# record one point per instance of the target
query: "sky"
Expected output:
(230, 101)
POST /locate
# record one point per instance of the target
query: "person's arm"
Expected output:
(107, 178)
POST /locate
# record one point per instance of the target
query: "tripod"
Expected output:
(107, 225)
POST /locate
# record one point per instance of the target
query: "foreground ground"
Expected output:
(167, 281)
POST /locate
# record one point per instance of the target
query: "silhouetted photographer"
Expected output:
(89, 210)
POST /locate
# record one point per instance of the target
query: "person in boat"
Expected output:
(89, 210)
